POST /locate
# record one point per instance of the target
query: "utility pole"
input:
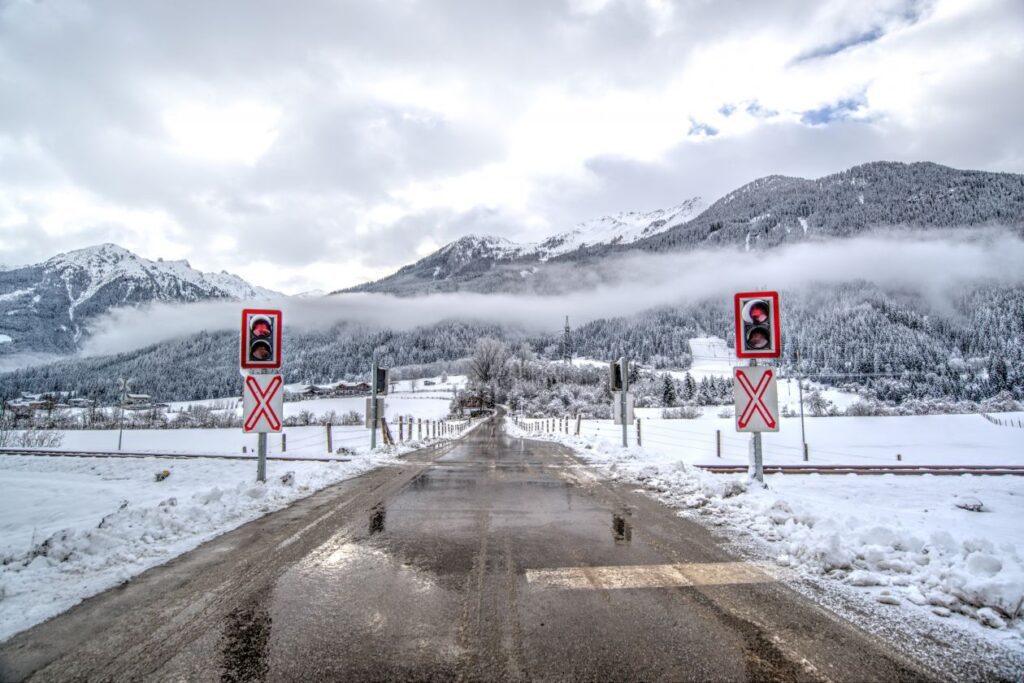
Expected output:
(566, 343)
(800, 390)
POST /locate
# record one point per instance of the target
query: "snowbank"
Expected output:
(73, 527)
(904, 539)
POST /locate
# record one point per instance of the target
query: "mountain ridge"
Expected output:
(47, 306)
(764, 213)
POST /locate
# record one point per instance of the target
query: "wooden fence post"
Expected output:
(579, 419)
(639, 442)
(718, 442)
(284, 442)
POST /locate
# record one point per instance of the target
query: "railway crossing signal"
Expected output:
(261, 339)
(262, 404)
(758, 330)
(262, 389)
(757, 399)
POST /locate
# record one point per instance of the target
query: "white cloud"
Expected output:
(289, 147)
(239, 132)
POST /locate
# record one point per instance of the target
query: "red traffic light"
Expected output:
(261, 339)
(758, 330)
(261, 328)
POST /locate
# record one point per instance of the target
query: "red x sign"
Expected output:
(262, 403)
(757, 400)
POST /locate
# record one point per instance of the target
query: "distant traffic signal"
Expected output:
(261, 338)
(618, 375)
(383, 379)
(758, 331)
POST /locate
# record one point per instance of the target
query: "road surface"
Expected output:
(493, 559)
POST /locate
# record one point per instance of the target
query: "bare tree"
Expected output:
(487, 368)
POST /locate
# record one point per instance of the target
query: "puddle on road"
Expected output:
(244, 644)
(377, 516)
(622, 529)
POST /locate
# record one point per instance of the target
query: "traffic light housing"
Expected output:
(618, 375)
(383, 378)
(758, 330)
(261, 338)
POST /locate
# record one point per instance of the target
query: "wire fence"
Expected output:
(699, 442)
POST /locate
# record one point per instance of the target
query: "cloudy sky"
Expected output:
(320, 144)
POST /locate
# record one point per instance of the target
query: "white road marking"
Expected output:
(649, 576)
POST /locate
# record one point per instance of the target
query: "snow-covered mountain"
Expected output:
(474, 255)
(765, 213)
(621, 228)
(47, 307)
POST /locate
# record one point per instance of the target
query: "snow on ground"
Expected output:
(73, 527)
(5, 339)
(424, 401)
(902, 538)
(919, 440)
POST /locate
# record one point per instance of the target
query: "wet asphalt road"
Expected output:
(494, 559)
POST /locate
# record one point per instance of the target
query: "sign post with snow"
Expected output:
(756, 393)
(622, 398)
(262, 387)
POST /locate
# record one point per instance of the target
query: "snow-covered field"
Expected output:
(299, 442)
(71, 527)
(919, 440)
(902, 538)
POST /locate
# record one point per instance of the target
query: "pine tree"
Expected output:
(668, 390)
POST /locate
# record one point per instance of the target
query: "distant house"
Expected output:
(137, 402)
(471, 402)
(314, 391)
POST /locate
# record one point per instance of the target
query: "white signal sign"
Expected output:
(262, 403)
(756, 393)
(617, 407)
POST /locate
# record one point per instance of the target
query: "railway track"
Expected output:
(935, 470)
(55, 453)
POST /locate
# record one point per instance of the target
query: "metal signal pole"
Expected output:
(373, 405)
(624, 364)
(758, 463)
(261, 462)
(123, 385)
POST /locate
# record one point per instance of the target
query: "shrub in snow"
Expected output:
(681, 413)
(30, 438)
(162, 474)
(288, 478)
(352, 418)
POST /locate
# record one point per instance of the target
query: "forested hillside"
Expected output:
(897, 345)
